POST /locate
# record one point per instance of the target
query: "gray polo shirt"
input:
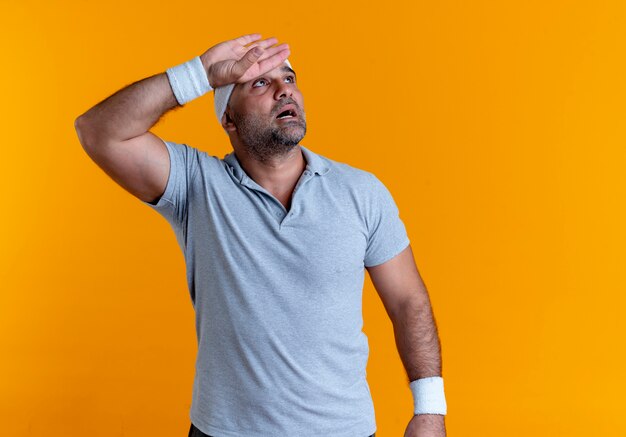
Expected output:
(278, 294)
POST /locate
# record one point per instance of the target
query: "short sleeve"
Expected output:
(173, 202)
(387, 235)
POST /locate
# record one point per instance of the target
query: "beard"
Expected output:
(264, 140)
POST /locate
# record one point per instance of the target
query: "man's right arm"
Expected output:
(115, 132)
(115, 135)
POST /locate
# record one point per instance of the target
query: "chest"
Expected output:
(321, 238)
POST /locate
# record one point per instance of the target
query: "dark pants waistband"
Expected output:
(195, 432)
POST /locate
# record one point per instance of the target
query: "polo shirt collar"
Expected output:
(313, 163)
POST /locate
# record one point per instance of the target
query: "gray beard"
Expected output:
(264, 142)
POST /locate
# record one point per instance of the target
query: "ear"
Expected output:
(227, 122)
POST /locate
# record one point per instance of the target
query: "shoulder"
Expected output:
(363, 186)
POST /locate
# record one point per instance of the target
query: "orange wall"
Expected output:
(497, 126)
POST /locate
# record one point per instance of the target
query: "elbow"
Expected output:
(80, 121)
(82, 130)
(78, 127)
(77, 123)
(411, 306)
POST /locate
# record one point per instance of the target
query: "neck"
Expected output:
(277, 174)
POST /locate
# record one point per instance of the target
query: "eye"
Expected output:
(292, 77)
(260, 80)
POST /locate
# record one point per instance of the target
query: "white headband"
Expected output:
(222, 96)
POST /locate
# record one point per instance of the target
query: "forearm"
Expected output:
(129, 112)
(417, 339)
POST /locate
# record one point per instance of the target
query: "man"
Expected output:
(276, 239)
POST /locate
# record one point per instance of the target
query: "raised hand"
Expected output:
(237, 60)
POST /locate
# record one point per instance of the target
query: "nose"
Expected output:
(283, 90)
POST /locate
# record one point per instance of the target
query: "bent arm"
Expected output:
(115, 135)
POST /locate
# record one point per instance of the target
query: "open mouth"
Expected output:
(289, 113)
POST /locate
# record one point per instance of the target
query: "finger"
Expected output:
(265, 43)
(272, 51)
(273, 61)
(247, 39)
(241, 50)
(247, 60)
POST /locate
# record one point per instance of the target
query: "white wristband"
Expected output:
(189, 80)
(428, 396)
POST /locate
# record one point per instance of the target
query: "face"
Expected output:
(254, 108)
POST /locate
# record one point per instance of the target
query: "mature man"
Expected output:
(276, 239)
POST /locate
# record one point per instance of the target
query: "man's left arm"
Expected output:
(407, 303)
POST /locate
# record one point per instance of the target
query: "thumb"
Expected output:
(249, 59)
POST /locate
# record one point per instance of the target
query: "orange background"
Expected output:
(497, 126)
